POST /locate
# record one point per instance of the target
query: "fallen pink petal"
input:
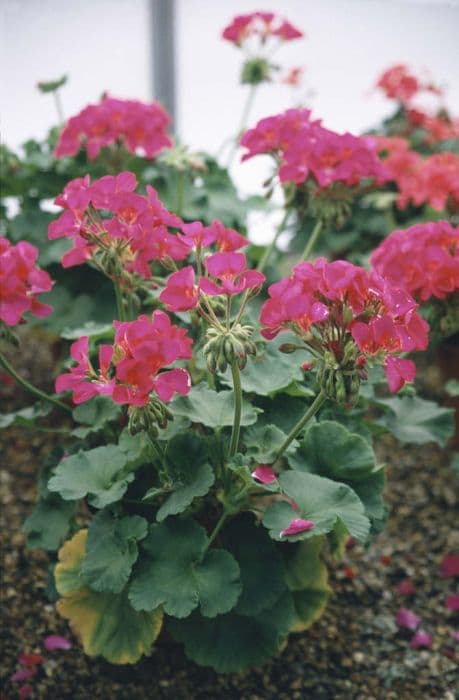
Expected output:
(454, 635)
(449, 567)
(407, 619)
(297, 526)
(452, 603)
(23, 674)
(54, 641)
(406, 587)
(30, 660)
(25, 691)
(421, 640)
(264, 474)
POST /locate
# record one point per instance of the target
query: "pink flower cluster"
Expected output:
(130, 368)
(439, 127)
(433, 180)
(398, 83)
(305, 148)
(138, 229)
(230, 276)
(262, 25)
(20, 282)
(344, 302)
(140, 127)
(423, 259)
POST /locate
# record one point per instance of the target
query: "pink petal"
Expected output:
(297, 526)
(264, 474)
(54, 641)
(452, 603)
(23, 675)
(406, 618)
(449, 567)
(25, 691)
(406, 587)
(421, 640)
(454, 635)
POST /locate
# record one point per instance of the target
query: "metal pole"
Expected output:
(163, 53)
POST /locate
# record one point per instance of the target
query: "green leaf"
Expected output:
(263, 442)
(271, 370)
(307, 578)
(195, 485)
(231, 643)
(49, 522)
(111, 551)
(90, 328)
(330, 449)
(95, 414)
(99, 474)
(262, 571)
(25, 416)
(415, 420)
(211, 408)
(177, 573)
(105, 622)
(452, 387)
(52, 85)
(318, 499)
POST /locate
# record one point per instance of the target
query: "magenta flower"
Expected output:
(296, 527)
(141, 127)
(131, 368)
(264, 474)
(421, 640)
(180, 292)
(406, 618)
(231, 271)
(20, 282)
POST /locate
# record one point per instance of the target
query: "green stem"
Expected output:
(243, 124)
(119, 300)
(216, 530)
(266, 255)
(237, 388)
(312, 240)
(58, 103)
(30, 388)
(312, 410)
(180, 191)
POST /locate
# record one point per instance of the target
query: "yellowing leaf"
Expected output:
(105, 622)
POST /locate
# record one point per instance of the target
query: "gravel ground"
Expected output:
(355, 652)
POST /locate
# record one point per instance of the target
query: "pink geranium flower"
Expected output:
(230, 269)
(21, 282)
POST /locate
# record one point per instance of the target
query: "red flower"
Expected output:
(262, 25)
(180, 293)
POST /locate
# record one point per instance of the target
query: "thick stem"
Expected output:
(119, 300)
(266, 255)
(237, 388)
(312, 410)
(316, 231)
(30, 388)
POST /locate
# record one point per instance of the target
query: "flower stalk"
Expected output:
(310, 413)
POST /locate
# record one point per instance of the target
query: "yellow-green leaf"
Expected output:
(105, 622)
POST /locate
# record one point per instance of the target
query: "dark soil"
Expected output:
(355, 652)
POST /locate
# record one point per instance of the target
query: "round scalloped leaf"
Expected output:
(111, 550)
(307, 578)
(262, 570)
(211, 408)
(105, 622)
(318, 499)
(231, 643)
(176, 572)
(329, 449)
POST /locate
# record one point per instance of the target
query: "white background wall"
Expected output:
(104, 45)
